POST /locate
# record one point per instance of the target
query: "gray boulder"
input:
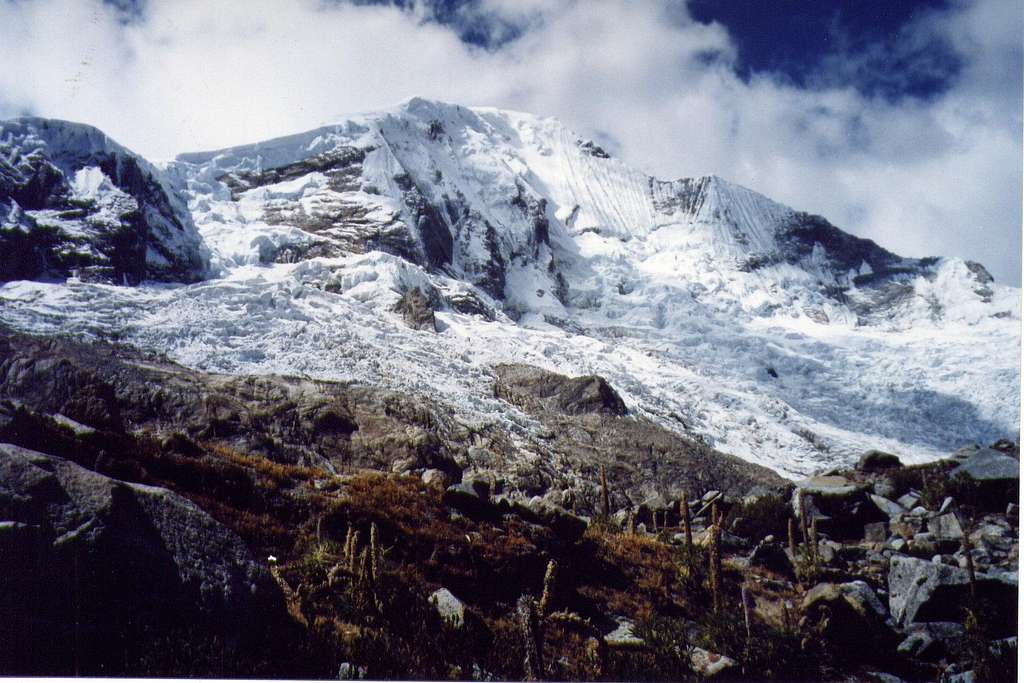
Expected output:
(883, 677)
(857, 595)
(568, 527)
(841, 507)
(480, 481)
(989, 465)
(624, 635)
(707, 664)
(727, 540)
(876, 532)
(771, 556)
(909, 500)
(906, 526)
(946, 528)
(434, 478)
(710, 496)
(620, 518)
(932, 641)
(887, 506)
(995, 535)
(885, 487)
(851, 617)
(96, 568)
(449, 607)
(465, 498)
(347, 671)
(921, 591)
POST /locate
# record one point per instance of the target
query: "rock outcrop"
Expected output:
(74, 202)
(922, 591)
(536, 390)
(417, 310)
(292, 420)
(94, 568)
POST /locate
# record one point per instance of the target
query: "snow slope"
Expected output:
(711, 309)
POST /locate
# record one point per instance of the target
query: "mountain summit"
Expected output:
(714, 311)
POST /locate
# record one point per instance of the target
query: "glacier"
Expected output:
(713, 310)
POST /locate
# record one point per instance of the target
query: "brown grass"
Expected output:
(281, 473)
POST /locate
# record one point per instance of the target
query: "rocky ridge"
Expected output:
(75, 203)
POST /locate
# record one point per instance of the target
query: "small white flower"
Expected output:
(271, 559)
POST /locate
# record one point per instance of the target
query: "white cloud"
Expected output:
(937, 177)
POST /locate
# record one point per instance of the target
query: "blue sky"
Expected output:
(804, 42)
(899, 121)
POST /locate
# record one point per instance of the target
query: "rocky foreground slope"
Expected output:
(145, 530)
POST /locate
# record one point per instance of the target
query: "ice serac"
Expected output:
(74, 201)
(709, 308)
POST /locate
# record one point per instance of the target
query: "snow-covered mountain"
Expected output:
(72, 200)
(713, 310)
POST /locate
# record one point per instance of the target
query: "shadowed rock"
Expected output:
(111, 567)
(876, 461)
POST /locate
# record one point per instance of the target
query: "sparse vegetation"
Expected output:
(766, 515)
(357, 552)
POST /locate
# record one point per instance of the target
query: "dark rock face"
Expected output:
(337, 165)
(434, 233)
(686, 194)
(593, 149)
(130, 230)
(527, 385)
(471, 304)
(880, 292)
(110, 565)
(845, 251)
(417, 310)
